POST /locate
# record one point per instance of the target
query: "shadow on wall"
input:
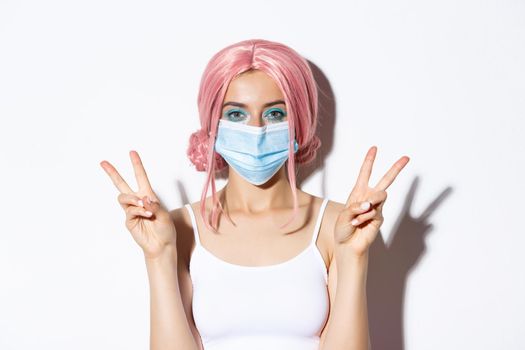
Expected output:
(325, 130)
(389, 268)
(389, 264)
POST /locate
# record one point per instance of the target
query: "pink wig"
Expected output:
(294, 77)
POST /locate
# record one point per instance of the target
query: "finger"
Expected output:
(126, 200)
(140, 172)
(355, 209)
(132, 212)
(374, 198)
(366, 167)
(117, 180)
(364, 173)
(390, 176)
(362, 218)
(151, 205)
(377, 199)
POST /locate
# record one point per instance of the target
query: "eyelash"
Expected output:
(229, 114)
(279, 118)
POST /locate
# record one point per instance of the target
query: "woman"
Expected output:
(286, 269)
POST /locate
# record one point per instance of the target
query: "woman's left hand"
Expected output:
(358, 236)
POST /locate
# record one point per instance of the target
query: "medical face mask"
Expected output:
(255, 152)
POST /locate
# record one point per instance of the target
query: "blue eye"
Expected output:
(275, 115)
(235, 115)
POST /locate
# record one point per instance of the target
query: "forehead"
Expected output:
(253, 87)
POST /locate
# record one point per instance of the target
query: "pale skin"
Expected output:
(166, 237)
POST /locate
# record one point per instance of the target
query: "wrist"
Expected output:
(346, 250)
(346, 256)
(167, 254)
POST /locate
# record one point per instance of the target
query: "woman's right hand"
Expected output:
(155, 231)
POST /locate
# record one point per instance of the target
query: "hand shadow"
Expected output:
(388, 271)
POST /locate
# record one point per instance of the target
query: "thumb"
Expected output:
(151, 205)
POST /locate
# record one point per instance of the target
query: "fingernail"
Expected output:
(148, 213)
(365, 205)
(141, 204)
(354, 222)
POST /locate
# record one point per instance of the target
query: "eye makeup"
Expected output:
(239, 115)
(273, 118)
(236, 115)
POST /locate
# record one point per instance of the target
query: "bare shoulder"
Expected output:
(332, 211)
(180, 217)
(326, 236)
(185, 238)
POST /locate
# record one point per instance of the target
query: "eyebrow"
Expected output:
(238, 104)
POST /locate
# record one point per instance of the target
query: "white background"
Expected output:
(442, 82)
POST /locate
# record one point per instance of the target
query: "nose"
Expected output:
(256, 118)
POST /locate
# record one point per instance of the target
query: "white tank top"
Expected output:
(282, 306)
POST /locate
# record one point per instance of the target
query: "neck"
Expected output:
(241, 195)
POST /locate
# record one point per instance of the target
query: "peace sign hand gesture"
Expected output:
(148, 221)
(358, 224)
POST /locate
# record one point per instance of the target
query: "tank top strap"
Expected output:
(193, 223)
(318, 221)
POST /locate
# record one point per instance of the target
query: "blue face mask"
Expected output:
(255, 152)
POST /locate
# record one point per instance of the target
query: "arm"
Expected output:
(155, 231)
(356, 227)
(347, 327)
(169, 328)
